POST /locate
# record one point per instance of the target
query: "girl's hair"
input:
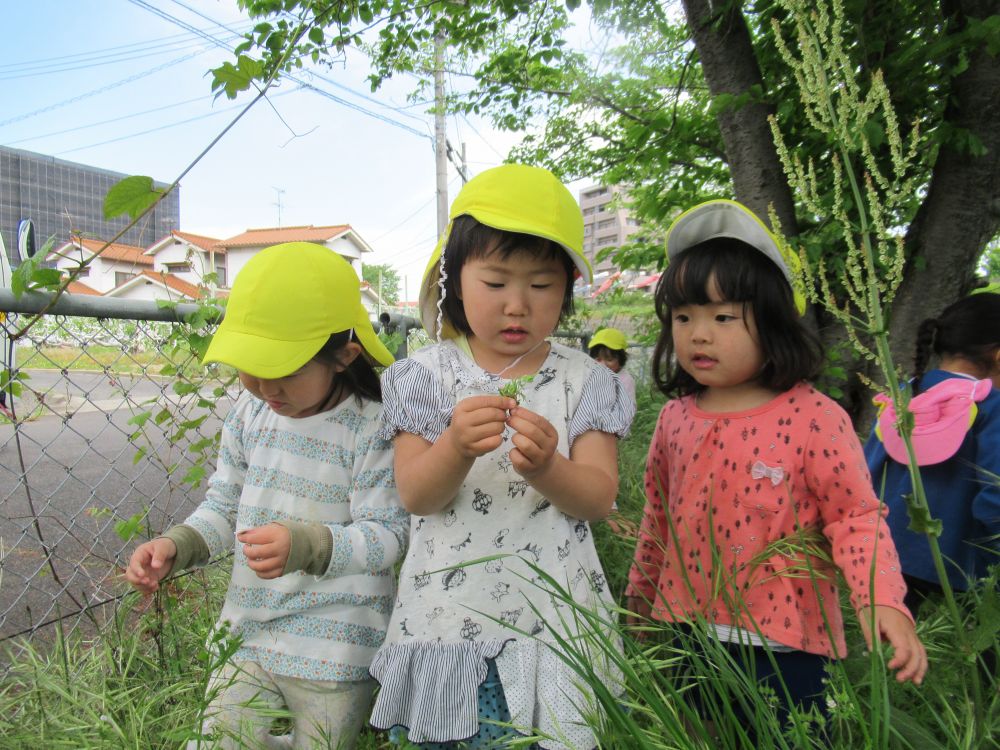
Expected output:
(470, 239)
(969, 328)
(619, 354)
(359, 377)
(741, 274)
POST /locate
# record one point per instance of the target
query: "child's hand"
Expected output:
(266, 548)
(893, 626)
(150, 563)
(535, 441)
(477, 424)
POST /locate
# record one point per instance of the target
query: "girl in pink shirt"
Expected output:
(749, 461)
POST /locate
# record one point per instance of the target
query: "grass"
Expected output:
(93, 357)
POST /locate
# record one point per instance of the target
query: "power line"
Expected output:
(81, 59)
(165, 127)
(75, 128)
(102, 89)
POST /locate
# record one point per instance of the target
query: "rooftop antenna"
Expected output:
(280, 192)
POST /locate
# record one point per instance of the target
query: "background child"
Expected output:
(748, 456)
(307, 487)
(957, 442)
(608, 346)
(489, 475)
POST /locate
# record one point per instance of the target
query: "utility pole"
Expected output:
(440, 135)
(277, 203)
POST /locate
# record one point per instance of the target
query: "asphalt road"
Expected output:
(70, 474)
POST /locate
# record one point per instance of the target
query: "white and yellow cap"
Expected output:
(513, 198)
(726, 218)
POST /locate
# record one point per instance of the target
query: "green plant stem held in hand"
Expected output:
(515, 388)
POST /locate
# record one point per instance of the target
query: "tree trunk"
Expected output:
(961, 212)
(729, 64)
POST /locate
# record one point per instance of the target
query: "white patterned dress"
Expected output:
(449, 620)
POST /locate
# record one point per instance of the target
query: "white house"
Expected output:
(340, 238)
(113, 265)
(190, 257)
(175, 267)
(156, 285)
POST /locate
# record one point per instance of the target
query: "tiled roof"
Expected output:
(199, 241)
(173, 282)
(117, 251)
(275, 235)
(76, 287)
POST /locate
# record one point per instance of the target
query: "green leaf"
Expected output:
(30, 275)
(921, 520)
(194, 476)
(232, 79)
(140, 419)
(130, 528)
(133, 195)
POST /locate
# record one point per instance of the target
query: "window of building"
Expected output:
(595, 192)
(605, 241)
(121, 277)
(220, 270)
(605, 224)
(178, 267)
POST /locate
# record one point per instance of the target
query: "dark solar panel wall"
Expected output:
(64, 198)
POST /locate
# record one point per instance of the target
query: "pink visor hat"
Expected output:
(942, 416)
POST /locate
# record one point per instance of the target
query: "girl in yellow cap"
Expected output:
(490, 475)
(305, 487)
(608, 347)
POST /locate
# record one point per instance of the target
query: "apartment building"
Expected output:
(66, 199)
(604, 226)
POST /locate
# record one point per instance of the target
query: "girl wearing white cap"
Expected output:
(515, 479)
(747, 461)
(306, 487)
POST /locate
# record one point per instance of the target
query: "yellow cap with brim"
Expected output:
(725, 218)
(285, 304)
(513, 198)
(609, 337)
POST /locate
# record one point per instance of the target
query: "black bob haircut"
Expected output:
(359, 377)
(470, 239)
(620, 354)
(741, 274)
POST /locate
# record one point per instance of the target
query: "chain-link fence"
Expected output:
(104, 439)
(107, 438)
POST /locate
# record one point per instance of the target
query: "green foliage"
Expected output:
(132, 195)
(384, 279)
(132, 527)
(514, 388)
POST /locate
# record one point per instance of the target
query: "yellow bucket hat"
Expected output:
(285, 304)
(609, 337)
(512, 198)
(725, 218)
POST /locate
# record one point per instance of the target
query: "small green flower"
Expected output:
(515, 387)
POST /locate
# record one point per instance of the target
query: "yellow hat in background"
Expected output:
(285, 304)
(512, 198)
(725, 218)
(609, 337)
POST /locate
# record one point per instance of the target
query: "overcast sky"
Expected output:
(123, 85)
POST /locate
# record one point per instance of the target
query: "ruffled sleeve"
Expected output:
(414, 401)
(605, 405)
